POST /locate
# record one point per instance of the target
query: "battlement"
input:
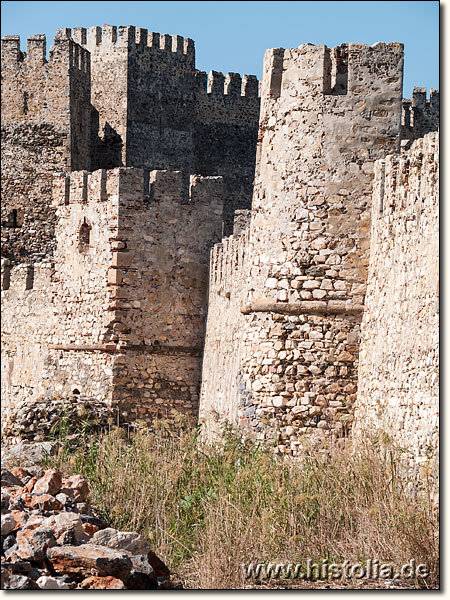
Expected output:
(227, 260)
(27, 276)
(81, 187)
(216, 83)
(64, 50)
(400, 180)
(419, 114)
(333, 71)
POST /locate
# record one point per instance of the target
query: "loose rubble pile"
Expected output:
(51, 539)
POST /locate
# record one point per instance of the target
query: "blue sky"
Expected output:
(232, 36)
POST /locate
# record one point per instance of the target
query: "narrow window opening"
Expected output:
(25, 103)
(76, 392)
(14, 219)
(84, 237)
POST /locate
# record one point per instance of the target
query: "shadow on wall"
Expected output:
(106, 146)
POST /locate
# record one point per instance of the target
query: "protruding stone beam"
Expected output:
(301, 308)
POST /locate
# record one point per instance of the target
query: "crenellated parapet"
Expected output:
(419, 115)
(398, 375)
(406, 184)
(157, 46)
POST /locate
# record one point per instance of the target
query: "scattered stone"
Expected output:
(50, 544)
(102, 583)
(50, 483)
(76, 487)
(121, 540)
(8, 479)
(103, 561)
(53, 583)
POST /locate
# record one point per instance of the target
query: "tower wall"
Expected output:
(45, 127)
(398, 389)
(326, 116)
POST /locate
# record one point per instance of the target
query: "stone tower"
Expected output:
(326, 116)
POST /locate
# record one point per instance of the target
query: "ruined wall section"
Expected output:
(45, 128)
(398, 392)
(419, 115)
(326, 116)
(223, 341)
(161, 290)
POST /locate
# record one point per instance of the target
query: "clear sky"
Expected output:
(232, 36)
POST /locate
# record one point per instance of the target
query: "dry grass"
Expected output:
(209, 510)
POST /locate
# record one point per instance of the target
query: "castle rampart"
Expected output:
(45, 127)
(419, 115)
(119, 314)
(326, 115)
(398, 391)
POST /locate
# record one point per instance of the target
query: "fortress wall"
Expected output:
(222, 354)
(398, 391)
(26, 315)
(225, 135)
(161, 292)
(419, 115)
(326, 116)
(45, 128)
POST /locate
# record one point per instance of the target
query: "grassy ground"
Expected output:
(207, 511)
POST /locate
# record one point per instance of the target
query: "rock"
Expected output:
(21, 474)
(5, 497)
(8, 524)
(90, 529)
(41, 502)
(121, 540)
(22, 567)
(50, 483)
(7, 543)
(67, 528)
(32, 544)
(28, 487)
(17, 582)
(76, 487)
(54, 583)
(93, 520)
(160, 568)
(102, 583)
(24, 453)
(67, 502)
(35, 471)
(75, 560)
(9, 479)
(84, 508)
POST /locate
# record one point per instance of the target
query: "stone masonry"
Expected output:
(398, 394)
(287, 297)
(123, 168)
(118, 313)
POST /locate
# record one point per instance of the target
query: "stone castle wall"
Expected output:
(326, 116)
(45, 128)
(119, 313)
(419, 115)
(154, 110)
(223, 340)
(398, 391)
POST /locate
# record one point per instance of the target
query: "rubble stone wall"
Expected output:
(398, 392)
(223, 340)
(419, 115)
(119, 314)
(45, 128)
(326, 116)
